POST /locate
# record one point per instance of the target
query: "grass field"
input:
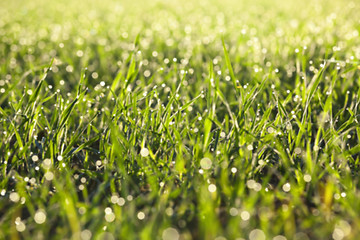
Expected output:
(179, 119)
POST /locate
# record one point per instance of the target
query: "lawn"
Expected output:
(179, 119)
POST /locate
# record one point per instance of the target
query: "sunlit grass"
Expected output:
(179, 120)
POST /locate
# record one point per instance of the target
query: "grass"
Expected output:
(179, 120)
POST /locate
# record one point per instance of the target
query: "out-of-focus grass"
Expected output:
(179, 120)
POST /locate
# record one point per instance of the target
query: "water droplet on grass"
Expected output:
(257, 234)
(86, 234)
(141, 215)
(286, 187)
(169, 211)
(110, 217)
(279, 237)
(82, 210)
(20, 226)
(233, 212)
(212, 188)
(14, 197)
(49, 176)
(144, 152)
(3, 192)
(270, 130)
(121, 201)
(338, 234)
(114, 199)
(307, 178)
(205, 163)
(170, 234)
(108, 210)
(35, 158)
(40, 216)
(245, 215)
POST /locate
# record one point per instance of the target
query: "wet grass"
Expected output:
(179, 120)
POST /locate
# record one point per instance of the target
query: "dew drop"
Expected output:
(40, 216)
(141, 215)
(170, 234)
(286, 187)
(144, 152)
(245, 215)
(14, 197)
(212, 188)
(257, 234)
(205, 163)
(307, 178)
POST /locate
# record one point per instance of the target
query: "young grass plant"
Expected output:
(169, 120)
